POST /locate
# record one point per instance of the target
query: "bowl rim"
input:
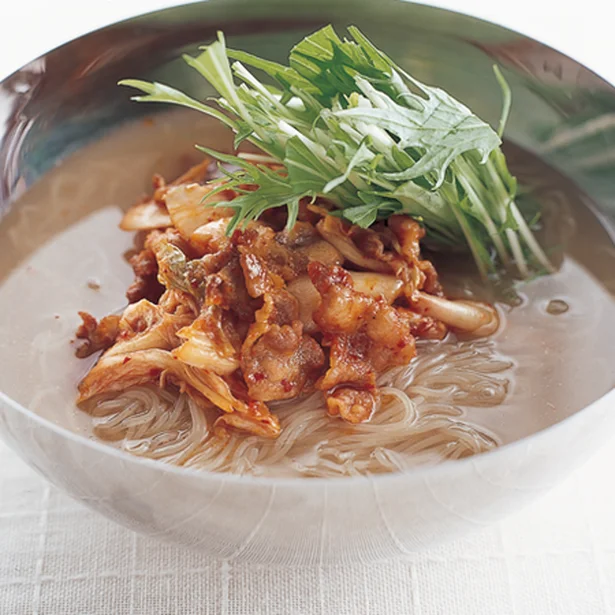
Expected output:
(424, 470)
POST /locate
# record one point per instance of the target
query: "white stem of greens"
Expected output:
(463, 223)
(484, 217)
(517, 252)
(511, 235)
(530, 240)
(378, 100)
(318, 150)
(258, 158)
(243, 73)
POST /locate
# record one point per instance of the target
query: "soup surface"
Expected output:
(63, 252)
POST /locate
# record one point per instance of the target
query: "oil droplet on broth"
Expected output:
(557, 306)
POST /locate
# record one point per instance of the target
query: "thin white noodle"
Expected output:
(421, 420)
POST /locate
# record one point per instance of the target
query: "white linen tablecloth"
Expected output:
(555, 557)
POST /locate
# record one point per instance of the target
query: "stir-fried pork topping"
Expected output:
(95, 335)
(366, 336)
(146, 284)
(268, 313)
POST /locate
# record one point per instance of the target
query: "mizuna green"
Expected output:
(349, 124)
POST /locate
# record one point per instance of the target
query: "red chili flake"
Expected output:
(287, 386)
(258, 376)
(126, 359)
(402, 343)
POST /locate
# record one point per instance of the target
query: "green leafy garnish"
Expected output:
(350, 125)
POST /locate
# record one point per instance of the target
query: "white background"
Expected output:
(583, 29)
(556, 557)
